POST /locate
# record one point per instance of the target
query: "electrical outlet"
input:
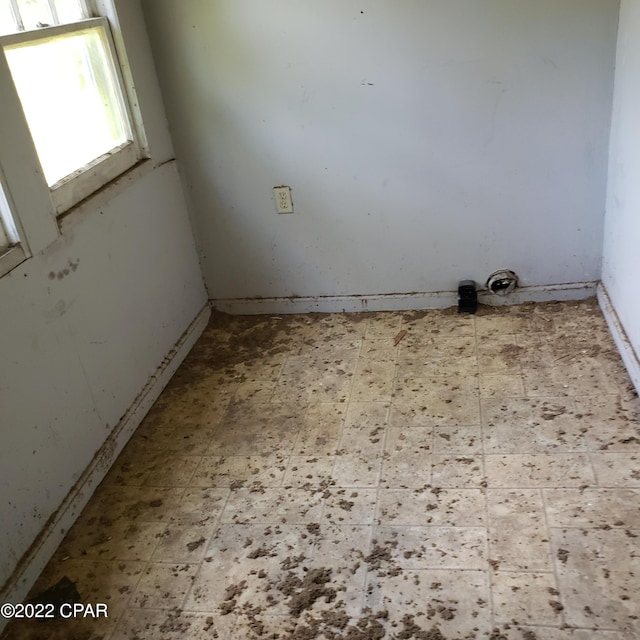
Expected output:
(283, 199)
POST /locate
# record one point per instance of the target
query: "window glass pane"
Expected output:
(70, 98)
(7, 23)
(35, 14)
(69, 11)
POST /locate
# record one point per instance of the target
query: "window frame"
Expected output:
(91, 177)
(37, 219)
(27, 193)
(13, 253)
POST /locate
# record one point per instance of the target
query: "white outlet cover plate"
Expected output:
(283, 199)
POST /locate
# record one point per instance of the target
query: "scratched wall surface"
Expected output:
(424, 141)
(86, 322)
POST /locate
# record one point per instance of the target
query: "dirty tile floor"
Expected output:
(391, 475)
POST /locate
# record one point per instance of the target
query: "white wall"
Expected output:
(424, 141)
(621, 261)
(86, 322)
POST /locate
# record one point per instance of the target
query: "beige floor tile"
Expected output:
(358, 462)
(186, 439)
(418, 365)
(383, 325)
(254, 626)
(499, 354)
(337, 326)
(518, 536)
(236, 471)
(255, 391)
(523, 470)
(171, 470)
(142, 504)
(496, 325)
(205, 500)
(594, 634)
(541, 439)
(349, 506)
(523, 425)
(432, 506)
(447, 399)
(501, 385)
(431, 547)
(357, 470)
(200, 406)
(526, 598)
(422, 358)
(321, 429)
(565, 317)
(251, 565)
(526, 632)
(256, 428)
(598, 577)
(410, 415)
(612, 422)
(457, 471)
(103, 539)
(593, 508)
(328, 626)
(373, 381)
(185, 537)
(272, 506)
(139, 463)
(444, 383)
(263, 369)
(363, 441)
(559, 348)
(314, 377)
(433, 407)
(458, 440)
(379, 350)
(367, 415)
(617, 469)
(341, 549)
(528, 412)
(572, 379)
(407, 457)
(308, 471)
(164, 586)
(415, 349)
(454, 602)
(176, 624)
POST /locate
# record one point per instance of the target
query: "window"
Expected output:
(64, 68)
(11, 253)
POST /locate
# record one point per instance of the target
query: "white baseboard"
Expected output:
(399, 301)
(36, 558)
(542, 293)
(630, 358)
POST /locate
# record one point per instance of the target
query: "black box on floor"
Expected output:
(467, 296)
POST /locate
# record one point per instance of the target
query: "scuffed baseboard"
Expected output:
(399, 301)
(630, 358)
(36, 558)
